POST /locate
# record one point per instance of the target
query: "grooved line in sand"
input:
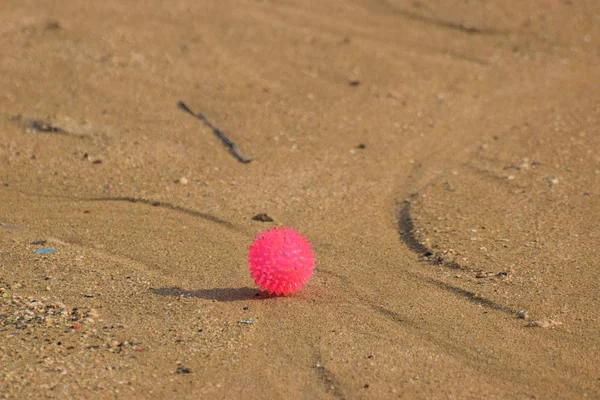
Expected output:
(154, 203)
(391, 315)
(406, 229)
(327, 378)
(461, 27)
(205, 216)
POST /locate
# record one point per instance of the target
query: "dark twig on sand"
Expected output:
(233, 149)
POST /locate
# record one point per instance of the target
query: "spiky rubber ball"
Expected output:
(281, 261)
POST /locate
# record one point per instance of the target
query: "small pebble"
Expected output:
(262, 217)
(522, 314)
(182, 370)
(183, 180)
(525, 164)
(354, 78)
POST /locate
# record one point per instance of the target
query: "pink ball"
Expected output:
(281, 261)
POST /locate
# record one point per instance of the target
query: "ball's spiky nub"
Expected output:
(281, 261)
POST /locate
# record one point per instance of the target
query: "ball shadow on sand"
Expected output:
(218, 294)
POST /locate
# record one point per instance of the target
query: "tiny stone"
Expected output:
(354, 78)
(262, 217)
(53, 25)
(553, 181)
(522, 314)
(183, 180)
(525, 164)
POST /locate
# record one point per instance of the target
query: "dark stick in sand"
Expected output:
(233, 149)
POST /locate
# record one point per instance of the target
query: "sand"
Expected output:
(443, 159)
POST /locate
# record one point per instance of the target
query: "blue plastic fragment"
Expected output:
(44, 251)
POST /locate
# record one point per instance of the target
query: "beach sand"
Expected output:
(444, 161)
